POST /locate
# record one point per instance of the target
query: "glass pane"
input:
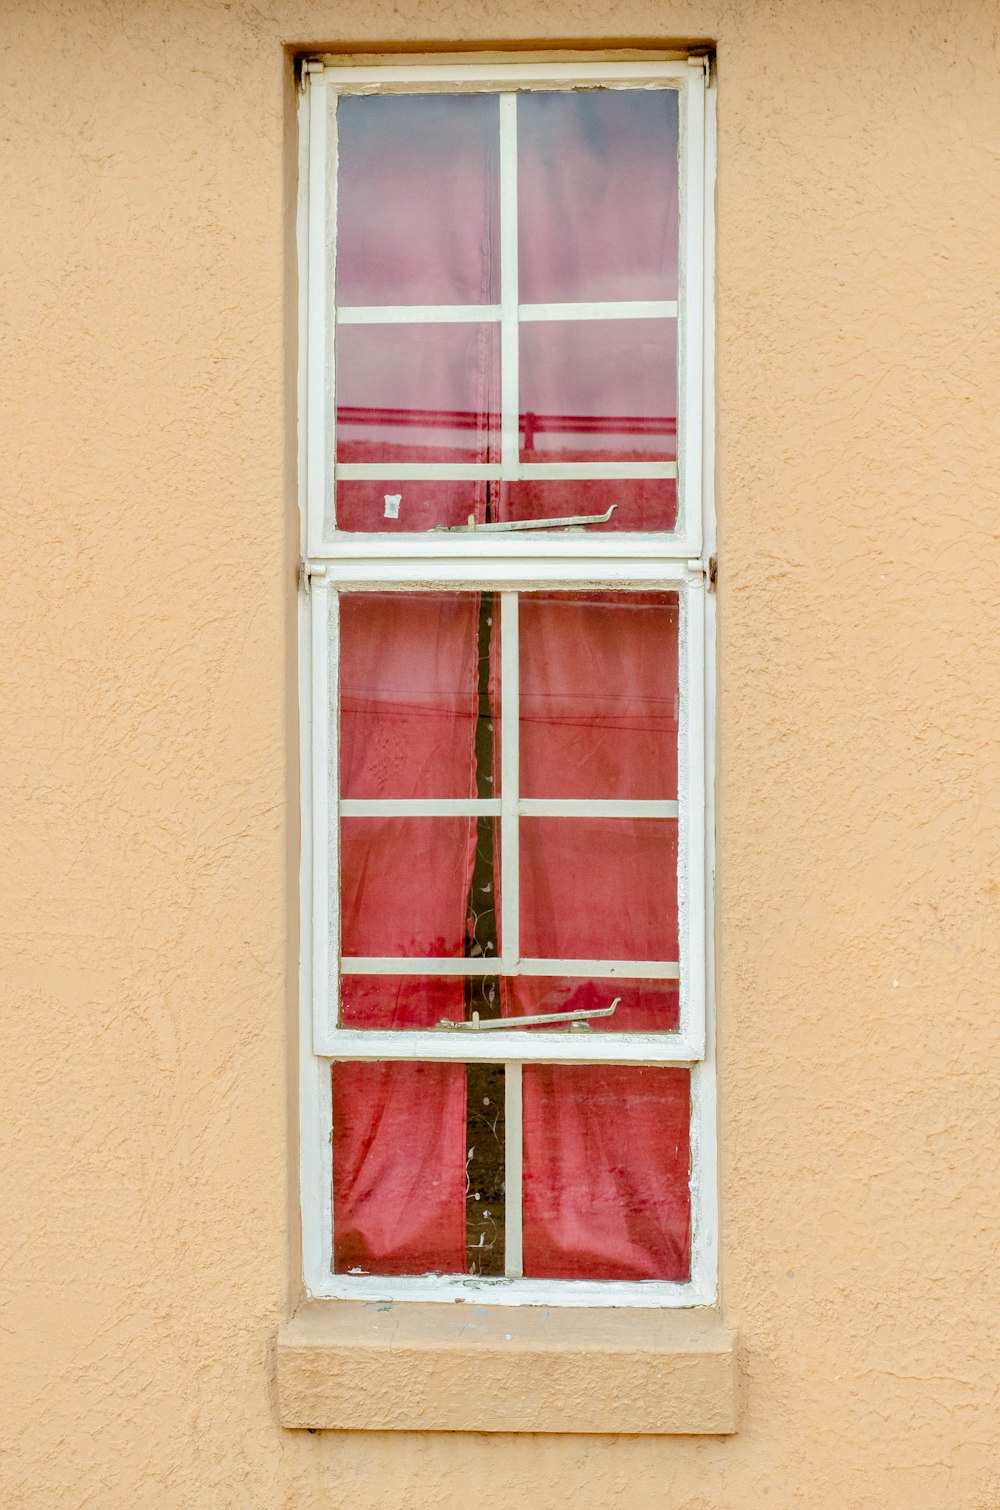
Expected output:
(641, 503)
(599, 695)
(418, 199)
(405, 885)
(417, 393)
(598, 390)
(599, 888)
(399, 1156)
(485, 1170)
(401, 1001)
(597, 195)
(417, 694)
(390, 507)
(606, 1172)
(646, 1006)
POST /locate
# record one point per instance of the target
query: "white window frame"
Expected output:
(508, 563)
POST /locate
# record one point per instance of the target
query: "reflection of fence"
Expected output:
(531, 423)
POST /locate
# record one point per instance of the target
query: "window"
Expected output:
(507, 1087)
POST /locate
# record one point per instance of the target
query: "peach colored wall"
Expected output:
(147, 896)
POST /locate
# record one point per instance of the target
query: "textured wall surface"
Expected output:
(147, 911)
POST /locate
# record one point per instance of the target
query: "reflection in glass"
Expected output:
(598, 390)
(641, 503)
(418, 199)
(597, 195)
(417, 393)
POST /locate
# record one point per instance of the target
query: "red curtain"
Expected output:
(408, 697)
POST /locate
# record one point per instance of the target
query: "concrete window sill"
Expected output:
(381, 1366)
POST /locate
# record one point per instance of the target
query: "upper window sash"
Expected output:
(534, 555)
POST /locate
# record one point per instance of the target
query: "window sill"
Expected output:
(383, 1366)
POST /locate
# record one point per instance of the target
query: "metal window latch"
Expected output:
(572, 521)
(575, 1021)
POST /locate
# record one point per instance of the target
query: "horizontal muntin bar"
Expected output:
(486, 314)
(594, 807)
(444, 471)
(528, 807)
(458, 965)
(418, 807)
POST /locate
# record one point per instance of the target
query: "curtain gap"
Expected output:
(484, 1083)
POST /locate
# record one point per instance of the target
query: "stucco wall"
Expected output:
(147, 906)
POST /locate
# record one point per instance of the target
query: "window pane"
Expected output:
(417, 695)
(417, 393)
(399, 1155)
(599, 695)
(417, 199)
(641, 503)
(401, 1001)
(597, 195)
(405, 885)
(606, 1172)
(599, 888)
(391, 507)
(598, 390)
(646, 1006)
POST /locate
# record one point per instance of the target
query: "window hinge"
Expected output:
(306, 67)
(308, 570)
(702, 60)
(709, 570)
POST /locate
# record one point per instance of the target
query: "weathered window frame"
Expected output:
(506, 563)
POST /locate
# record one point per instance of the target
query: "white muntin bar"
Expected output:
(513, 1158)
(510, 697)
(604, 309)
(418, 314)
(418, 807)
(509, 354)
(488, 314)
(528, 807)
(596, 807)
(477, 471)
(575, 969)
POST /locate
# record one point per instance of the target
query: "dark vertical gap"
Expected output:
(484, 1200)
